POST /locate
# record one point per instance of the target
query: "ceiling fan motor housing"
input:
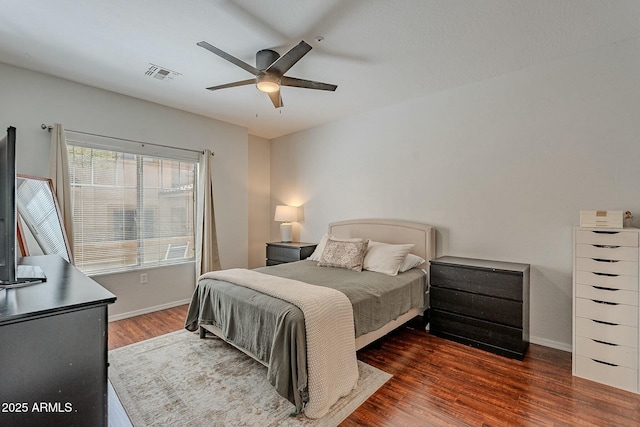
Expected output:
(266, 57)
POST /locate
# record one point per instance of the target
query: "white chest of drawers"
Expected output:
(605, 306)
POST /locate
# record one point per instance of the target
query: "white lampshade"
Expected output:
(286, 213)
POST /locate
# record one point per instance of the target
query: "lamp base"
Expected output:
(286, 232)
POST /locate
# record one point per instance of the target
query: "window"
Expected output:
(130, 208)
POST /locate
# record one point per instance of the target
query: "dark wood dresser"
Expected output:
(281, 252)
(53, 349)
(481, 303)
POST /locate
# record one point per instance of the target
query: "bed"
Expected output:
(261, 311)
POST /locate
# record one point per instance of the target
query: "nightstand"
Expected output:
(280, 252)
(481, 303)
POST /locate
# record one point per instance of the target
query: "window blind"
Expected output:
(130, 210)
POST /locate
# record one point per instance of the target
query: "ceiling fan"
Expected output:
(269, 71)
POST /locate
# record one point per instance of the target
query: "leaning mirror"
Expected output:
(39, 218)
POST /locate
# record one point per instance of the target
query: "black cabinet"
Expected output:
(53, 349)
(281, 252)
(481, 303)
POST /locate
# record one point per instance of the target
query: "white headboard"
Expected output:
(392, 231)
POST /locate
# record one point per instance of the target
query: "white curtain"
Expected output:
(59, 172)
(207, 258)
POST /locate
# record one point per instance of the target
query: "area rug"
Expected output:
(179, 379)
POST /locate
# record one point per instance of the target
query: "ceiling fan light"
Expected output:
(268, 86)
(267, 83)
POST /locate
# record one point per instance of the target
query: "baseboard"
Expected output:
(148, 310)
(549, 343)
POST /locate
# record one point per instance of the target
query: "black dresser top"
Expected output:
(292, 244)
(66, 288)
(481, 263)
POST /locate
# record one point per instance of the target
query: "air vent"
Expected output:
(161, 73)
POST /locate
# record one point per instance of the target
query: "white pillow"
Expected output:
(385, 258)
(317, 253)
(411, 261)
(315, 256)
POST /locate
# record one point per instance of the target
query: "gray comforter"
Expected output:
(273, 330)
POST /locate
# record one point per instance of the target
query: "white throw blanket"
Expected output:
(331, 350)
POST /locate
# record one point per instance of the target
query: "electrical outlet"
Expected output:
(143, 278)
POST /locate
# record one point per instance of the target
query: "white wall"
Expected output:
(29, 99)
(501, 168)
(260, 218)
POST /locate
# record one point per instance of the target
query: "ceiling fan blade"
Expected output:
(234, 84)
(307, 84)
(276, 98)
(250, 68)
(290, 58)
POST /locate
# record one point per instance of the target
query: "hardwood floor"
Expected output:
(140, 328)
(439, 382)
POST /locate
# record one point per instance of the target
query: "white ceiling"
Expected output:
(378, 52)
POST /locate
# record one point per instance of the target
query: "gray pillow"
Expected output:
(344, 254)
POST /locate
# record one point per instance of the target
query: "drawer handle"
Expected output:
(607, 246)
(604, 232)
(604, 302)
(604, 363)
(605, 274)
(604, 342)
(605, 260)
(602, 322)
(602, 288)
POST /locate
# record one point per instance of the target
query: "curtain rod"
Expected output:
(48, 129)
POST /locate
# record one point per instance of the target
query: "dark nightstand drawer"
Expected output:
(498, 339)
(493, 309)
(501, 284)
(283, 253)
(279, 252)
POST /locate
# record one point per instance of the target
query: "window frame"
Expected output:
(159, 152)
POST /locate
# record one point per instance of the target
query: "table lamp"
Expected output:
(286, 214)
